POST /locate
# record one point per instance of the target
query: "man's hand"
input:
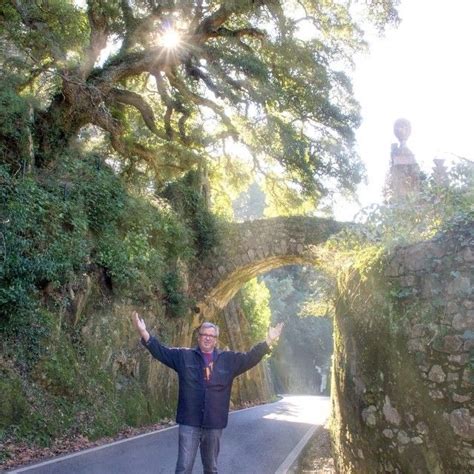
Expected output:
(273, 334)
(140, 326)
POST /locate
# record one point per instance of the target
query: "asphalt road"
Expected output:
(261, 440)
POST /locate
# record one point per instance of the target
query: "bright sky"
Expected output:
(420, 71)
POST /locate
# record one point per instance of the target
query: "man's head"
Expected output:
(207, 337)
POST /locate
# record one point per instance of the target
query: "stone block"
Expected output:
(452, 307)
(462, 423)
(452, 377)
(392, 269)
(422, 427)
(436, 374)
(461, 285)
(461, 398)
(468, 304)
(436, 394)
(468, 345)
(402, 437)
(408, 280)
(468, 377)
(464, 321)
(416, 345)
(468, 255)
(449, 344)
(461, 359)
(418, 330)
(390, 413)
(368, 415)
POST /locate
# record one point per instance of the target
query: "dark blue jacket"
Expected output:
(200, 403)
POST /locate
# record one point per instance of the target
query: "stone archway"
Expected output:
(252, 248)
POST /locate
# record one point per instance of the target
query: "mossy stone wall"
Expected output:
(403, 363)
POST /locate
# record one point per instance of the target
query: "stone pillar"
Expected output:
(404, 174)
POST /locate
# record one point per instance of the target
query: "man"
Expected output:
(205, 381)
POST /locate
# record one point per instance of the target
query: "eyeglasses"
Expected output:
(207, 335)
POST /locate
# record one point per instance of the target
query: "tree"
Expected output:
(232, 72)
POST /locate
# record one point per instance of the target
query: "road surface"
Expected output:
(261, 440)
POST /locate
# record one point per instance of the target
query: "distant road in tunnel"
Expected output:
(261, 440)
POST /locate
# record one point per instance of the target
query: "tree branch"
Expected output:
(167, 100)
(137, 101)
(130, 24)
(212, 22)
(226, 33)
(196, 73)
(209, 26)
(198, 100)
(135, 63)
(97, 39)
(150, 156)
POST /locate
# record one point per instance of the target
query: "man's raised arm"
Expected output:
(273, 334)
(140, 326)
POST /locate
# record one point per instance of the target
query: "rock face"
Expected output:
(403, 375)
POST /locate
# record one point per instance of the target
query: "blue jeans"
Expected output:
(190, 437)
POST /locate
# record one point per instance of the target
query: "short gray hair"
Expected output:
(207, 324)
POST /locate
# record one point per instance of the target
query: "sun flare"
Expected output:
(170, 39)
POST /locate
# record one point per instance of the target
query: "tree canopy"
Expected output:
(176, 85)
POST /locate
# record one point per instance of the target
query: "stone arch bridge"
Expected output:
(251, 248)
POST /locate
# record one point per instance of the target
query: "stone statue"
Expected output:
(401, 154)
(404, 174)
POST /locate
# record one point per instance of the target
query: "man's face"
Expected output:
(207, 339)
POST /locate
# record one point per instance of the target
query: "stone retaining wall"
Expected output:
(403, 379)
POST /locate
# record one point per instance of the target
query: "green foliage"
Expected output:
(64, 29)
(175, 299)
(13, 403)
(44, 244)
(135, 251)
(58, 369)
(68, 221)
(14, 139)
(189, 202)
(68, 394)
(256, 306)
(228, 179)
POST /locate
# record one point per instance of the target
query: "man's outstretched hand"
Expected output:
(140, 326)
(273, 334)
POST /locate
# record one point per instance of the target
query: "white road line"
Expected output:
(291, 458)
